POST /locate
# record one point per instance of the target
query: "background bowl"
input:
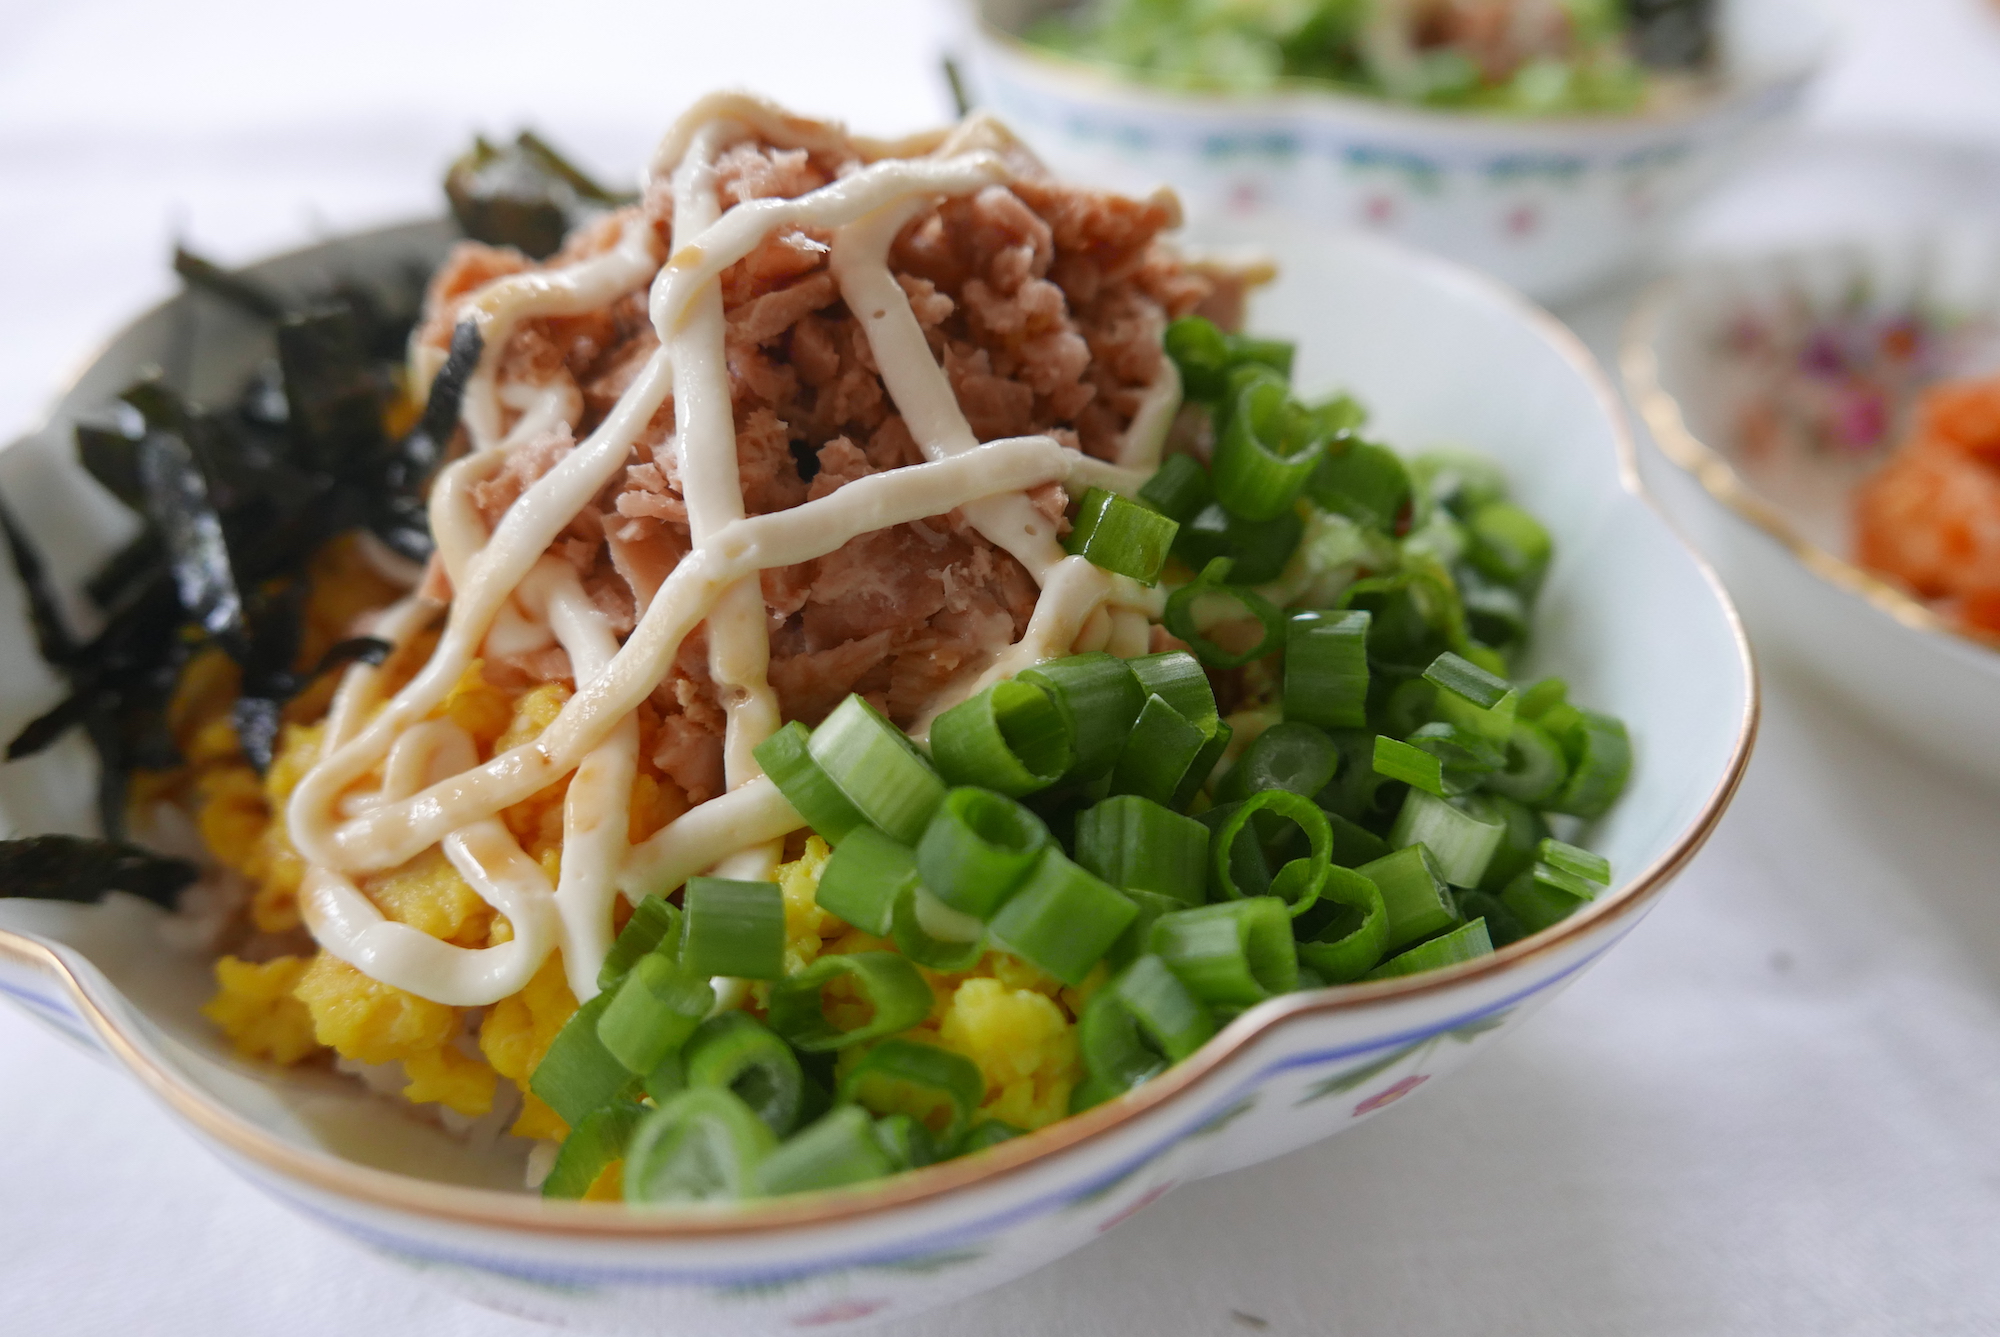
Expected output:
(1550, 205)
(1775, 519)
(1440, 355)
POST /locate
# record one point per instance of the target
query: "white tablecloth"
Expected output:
(1772, 1110)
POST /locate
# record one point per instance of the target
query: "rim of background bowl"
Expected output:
(1660, 408)
(1302, 94)
(526, 1215)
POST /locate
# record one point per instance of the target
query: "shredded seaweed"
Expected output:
(236, 500)
(523, 194)
(79, 868)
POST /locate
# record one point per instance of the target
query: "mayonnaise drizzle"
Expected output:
(508, 597)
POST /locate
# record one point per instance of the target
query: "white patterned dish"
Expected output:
(1550, 205)
(1629, 615)
(1777, 529)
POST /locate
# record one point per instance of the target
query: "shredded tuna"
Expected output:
(1043, 303)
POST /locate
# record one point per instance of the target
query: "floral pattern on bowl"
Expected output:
(1551, 206)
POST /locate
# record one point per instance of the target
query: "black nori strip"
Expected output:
(127, 572)
(523, 194)
(113, 460)
(246, 294)
(399, 518)
(331, 389)
(75, 868)
(178, 503)
(52, 636)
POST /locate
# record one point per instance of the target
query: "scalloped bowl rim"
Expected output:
(495, 1209)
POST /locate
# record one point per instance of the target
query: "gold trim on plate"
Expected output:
(1639, 364)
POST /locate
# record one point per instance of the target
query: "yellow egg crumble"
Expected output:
(1014, 1023)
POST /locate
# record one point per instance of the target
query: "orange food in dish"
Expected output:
(1930, 518)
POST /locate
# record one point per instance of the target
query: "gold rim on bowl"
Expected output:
(494, 1209)
(1660, 409)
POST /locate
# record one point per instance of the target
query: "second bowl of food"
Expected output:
(1549, 144)
(1829, 426)
(897, 736)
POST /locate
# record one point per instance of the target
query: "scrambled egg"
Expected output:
(1016, 1024)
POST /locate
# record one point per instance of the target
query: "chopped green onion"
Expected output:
(1120, 535)
(1366, 483)
(1462, 678)
(1135, 843)
(1349, 943)
(891, 990)
(1412, 765)
(1541, 896)
(1495, 614)
(1162, 746)
(934, 935)
(1062, 920)
(654, 922)
(1288, 755)
(1177, 676)
(840, 1149)
(1462, 843)
(578, 1075)
(1236, 953)
(1167, 1012)
(1501, 925)
(986, 1133)
(591, 1146)
(1181, 614)
(978, 850)
(1354, 844)
(1011, 737)
(1467, 942)
(1468, 755)
(1535, 768)
(1522, 830)
(1576, 862)
(1298, 882)
(1357, 789)
(878, 768)
(1260, 549)
(734, 1052)
(703, 1145)
(1508, 544)
(654, 1012)
(1201, 354)
(732, 927)
(907, 1143)
(1326, 669)
(1541, 697)
(1203, 765)
(1178, 488)
(669, 1078)
(863, 879)
(1264, 451)
(938, 1088)
(1416, 617)
(1414, 895)
(1600, 755)
(786, 757)
(1205, 356)
(1132, 942)
(1116, 1056)
(1098, 697)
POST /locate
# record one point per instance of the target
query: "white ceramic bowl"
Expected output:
(1440, 355)
(1552, 206)
(1777, 527)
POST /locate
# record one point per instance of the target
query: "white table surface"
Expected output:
(1775, 1109)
